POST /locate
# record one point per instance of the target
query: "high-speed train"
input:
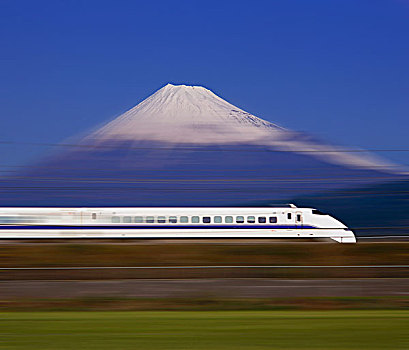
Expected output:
(265, 222)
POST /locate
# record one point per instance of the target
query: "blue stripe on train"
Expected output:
(121, 227)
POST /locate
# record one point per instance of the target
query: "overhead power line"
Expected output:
(208, 180)
(206, 148)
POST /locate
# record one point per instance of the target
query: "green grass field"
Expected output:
(205, 330)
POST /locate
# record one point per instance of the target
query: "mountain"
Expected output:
(194, 115)
(187, 114)
(186, 146)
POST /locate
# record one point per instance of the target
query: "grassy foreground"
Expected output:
(206, 304)
(205, 330)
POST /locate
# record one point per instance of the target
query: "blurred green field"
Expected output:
(205, 330)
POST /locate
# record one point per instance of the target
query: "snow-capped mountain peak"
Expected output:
(181, 114)
(187, 114)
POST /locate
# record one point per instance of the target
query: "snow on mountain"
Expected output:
(181, 114)
(188, 114)
(185, 146)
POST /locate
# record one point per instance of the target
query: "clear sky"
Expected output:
(335, 68)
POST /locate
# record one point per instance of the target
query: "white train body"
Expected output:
(265, 222)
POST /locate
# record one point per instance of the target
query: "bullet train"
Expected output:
(265, 222)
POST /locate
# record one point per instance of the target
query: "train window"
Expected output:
(195, 219)
(115, 219)
(262, 220)
(272, 219)
(289, 216)
(240, 219)
(5, 219)
(206, 219)
(127, 219)
(184, 219)
(298, 218)
(150, 219)
(138, 219)
(217, 219)
(251, 219)
(228, 219)
(161, 219)
(173, 219)
(94, 216)
(317, 212)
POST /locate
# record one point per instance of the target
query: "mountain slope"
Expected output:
(195, 115)
(187, 114)
(185, 146)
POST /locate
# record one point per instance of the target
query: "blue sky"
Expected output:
(335, 68)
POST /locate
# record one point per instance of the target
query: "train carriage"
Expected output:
(137, 222)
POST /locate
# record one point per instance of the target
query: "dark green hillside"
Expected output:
(376, 210)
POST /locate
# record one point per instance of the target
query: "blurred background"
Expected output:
(217, 103)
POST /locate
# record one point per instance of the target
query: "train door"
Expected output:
(298, 218)
(91, 217)
(66, 217)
